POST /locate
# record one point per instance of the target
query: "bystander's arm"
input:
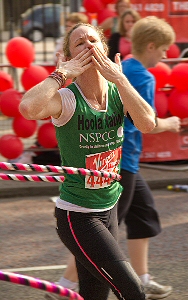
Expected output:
(172, 124)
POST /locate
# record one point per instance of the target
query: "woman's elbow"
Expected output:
(147, 126)
(24, 110)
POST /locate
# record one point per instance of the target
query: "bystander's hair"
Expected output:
(151, 29)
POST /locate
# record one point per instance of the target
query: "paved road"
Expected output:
(28, 239)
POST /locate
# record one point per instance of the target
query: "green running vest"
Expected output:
(92, 140)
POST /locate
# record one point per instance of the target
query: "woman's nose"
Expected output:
(88, 44)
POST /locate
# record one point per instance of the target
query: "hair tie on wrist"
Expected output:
(59, 77)
(60, 73)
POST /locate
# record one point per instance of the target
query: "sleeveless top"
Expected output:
(92, 139)
(115, 25)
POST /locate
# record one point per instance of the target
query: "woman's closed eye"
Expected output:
(82, 41)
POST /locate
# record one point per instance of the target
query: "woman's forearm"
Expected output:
(35, 102)
(140, 111)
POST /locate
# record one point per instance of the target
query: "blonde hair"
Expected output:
(66, 43)
(151, 30)
(133, 13)
(119, 1)
(77, 17)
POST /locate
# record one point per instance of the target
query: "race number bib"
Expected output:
(106, 161)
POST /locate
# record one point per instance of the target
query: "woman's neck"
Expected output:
(95, 92)
(127, 35)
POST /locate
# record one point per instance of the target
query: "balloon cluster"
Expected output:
(20, 54)
(174, 99)
(178, 99)
(11, 145)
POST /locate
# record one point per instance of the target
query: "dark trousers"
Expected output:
(136, 207)
(92, 239)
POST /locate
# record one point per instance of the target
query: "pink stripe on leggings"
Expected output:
(96, 267)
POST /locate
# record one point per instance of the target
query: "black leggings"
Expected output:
(101, 266)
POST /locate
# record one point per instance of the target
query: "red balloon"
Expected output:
(162, 74)
(173, 51)
(104, 14)
(47, 136)
(179, 76)
(6, 81)
(50, 69)
(161, 104)
(24, 128)
(11, 146)
(9, 102)
(68, 81)
(178, 103)
(93, 6)
(20, 52)
(32, 76)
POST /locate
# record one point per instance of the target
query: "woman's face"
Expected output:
(84, 37)
(128, 22)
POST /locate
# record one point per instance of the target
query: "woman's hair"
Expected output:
(151, 30)
(119, 1)
(77, 17)
(133, 13)
(66, 43)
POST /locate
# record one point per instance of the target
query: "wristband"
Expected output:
(156, 121)
(59, 77)
(60, 73)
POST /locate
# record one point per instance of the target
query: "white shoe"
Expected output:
(154, 290)
(53, 199)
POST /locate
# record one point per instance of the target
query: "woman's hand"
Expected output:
(75, 66)
(110, 70)
(118, 61)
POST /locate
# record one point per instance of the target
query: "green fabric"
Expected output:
(81, 141)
